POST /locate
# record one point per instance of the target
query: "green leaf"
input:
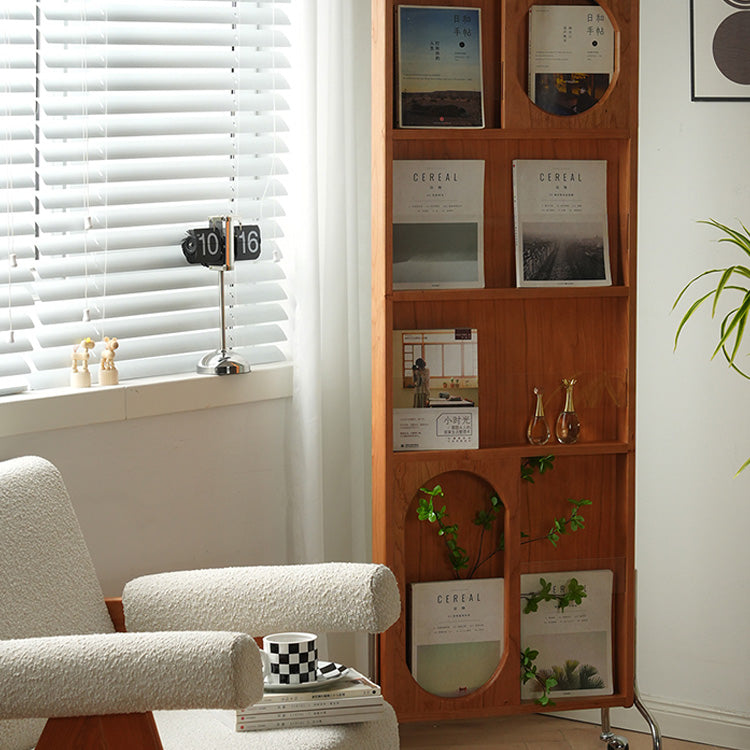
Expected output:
(690, 312)
(720, 287)
(693, 281)
(735, 237)
(739, 316)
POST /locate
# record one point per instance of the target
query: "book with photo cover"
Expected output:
(571, 57)
(439, 63)
(457, 634)
(435, 389)
(561, 230)
(574, 645)
(438, 223)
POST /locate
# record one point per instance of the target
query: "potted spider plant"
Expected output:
(732, 282)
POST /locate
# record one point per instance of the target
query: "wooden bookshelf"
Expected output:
(527, 337)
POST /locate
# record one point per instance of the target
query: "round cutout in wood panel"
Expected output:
(571, 60)
(456, 622)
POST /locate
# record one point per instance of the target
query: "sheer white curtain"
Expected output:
(329, 421)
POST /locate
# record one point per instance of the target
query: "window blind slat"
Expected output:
(114, 194)
(98, 149)
(149, 79)
(151, 303)
(153, 324)
(166, 102)
(130, 282)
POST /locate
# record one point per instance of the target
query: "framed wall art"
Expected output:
(720, 50)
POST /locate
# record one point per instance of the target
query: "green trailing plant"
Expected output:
(426, 511)
(535, 464)
(529, 672)
(730, 281)
(573, 594)
(485, 518)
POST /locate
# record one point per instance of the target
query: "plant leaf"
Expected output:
(720, 287)
(739, 315)
(736, 238)
(692, 281)
(689, 313)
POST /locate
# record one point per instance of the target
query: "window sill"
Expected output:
(37, 411)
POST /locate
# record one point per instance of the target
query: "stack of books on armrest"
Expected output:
(351, 698)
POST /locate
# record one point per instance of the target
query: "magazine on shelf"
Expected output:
(435, 389)
(561, 231)
(457, 634)
(574, 644)
(439, 63)
(438, 223)
(571, 57)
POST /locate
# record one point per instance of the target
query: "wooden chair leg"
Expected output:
(111, 732)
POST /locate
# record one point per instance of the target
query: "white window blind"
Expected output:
(124, 124)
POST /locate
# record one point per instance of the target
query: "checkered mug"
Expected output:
(290, 658)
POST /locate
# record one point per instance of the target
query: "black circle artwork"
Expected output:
(730, 45)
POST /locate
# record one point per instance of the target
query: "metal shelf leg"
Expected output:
(615, 742)
(652, 725)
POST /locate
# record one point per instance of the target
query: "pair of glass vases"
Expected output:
(567, 426)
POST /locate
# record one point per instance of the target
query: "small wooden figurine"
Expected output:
(81, 378)
(108, 374)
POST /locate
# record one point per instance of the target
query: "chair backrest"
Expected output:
(48, 585)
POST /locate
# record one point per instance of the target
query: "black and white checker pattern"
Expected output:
(293, 663)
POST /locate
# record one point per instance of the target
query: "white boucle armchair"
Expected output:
(189, 645)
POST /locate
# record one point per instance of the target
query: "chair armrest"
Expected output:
(117, 673)
(322, 598)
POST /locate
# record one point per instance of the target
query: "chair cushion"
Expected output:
(48, 585)
(202, 730)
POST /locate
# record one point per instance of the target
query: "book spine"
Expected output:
(530, 84)
(348, 692)
(359, 716)
(305, 713)
(517, 224)
(332, 703)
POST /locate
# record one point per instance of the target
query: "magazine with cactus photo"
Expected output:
(569, 642)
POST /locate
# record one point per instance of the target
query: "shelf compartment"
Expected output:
(499, 229)
(527, 343)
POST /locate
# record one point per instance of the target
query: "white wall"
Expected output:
(693, 429)
(194, 489)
